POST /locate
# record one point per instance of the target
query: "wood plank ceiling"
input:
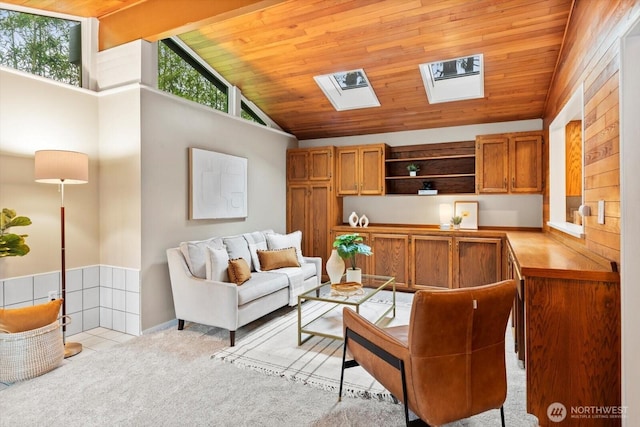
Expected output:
(272, 50)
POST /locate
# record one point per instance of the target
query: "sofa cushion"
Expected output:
(195, 254)
(254, 248)
(283, 241)
(239, 271)
(14, 320)
(217, 263)
(237, 247)
(278, 258)
(261, 284)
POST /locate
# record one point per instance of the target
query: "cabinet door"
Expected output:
(297, 165)
(298, 212)
(525, 164)
(319, 220)
(431, 261)
(348, 171)
(320, 164)
(371, 170)
(492, 165)
(478, 261)
(391, 256)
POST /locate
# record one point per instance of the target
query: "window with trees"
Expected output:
(41, 45)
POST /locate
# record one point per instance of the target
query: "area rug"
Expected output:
(273, 349)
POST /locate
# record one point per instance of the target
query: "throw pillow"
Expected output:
(14, 320)
(254, 248)
(195, 254)
(237, 247)
(217, 263)
(278, 258)
(284, 241)
(239, 271)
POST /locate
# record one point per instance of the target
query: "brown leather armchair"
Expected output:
(449, 360)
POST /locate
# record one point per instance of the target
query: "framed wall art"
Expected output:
(469, 213)
(217, 185)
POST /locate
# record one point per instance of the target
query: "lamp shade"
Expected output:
(58, 166)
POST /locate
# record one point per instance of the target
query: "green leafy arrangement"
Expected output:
(12, 244)
(349, 245)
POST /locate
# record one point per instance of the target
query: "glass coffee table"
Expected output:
(325, 317)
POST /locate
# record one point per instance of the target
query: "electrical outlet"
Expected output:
(600, 211)
(53, 295)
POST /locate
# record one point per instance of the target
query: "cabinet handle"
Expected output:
(513, 182)
(504, 185)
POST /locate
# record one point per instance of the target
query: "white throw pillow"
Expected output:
(195, 254)
(284, 241)
(254, 248)
(217, 262)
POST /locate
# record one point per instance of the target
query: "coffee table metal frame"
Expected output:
(372, 284)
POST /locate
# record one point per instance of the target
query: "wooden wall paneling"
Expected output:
(573, 158)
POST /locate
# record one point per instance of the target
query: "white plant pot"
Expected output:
(354, 275)
(412, 173)
(335, 267)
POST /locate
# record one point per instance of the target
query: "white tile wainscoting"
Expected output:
(97, 296)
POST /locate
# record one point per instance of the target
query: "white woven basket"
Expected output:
(25, 355)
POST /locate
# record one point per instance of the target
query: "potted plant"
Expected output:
(413, 169)
(12, 244)
(456, 221)
(348, 246)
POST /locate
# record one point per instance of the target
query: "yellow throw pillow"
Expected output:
(14, 320)
(278, 258)
(239, 271)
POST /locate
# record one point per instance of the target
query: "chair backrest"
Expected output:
(456, 342)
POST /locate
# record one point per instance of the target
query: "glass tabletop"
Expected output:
(347, 293)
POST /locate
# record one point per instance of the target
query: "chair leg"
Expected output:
(180, 324)
(502, 415)
(232, 338)
(344, 355)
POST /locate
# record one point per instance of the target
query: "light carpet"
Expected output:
(167, 378)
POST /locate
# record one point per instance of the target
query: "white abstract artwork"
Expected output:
(218, 185)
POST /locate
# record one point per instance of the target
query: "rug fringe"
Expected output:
(346, 390)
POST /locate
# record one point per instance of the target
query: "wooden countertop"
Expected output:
(539, 254)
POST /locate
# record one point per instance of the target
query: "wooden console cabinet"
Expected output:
(567, 328)
(427, 257)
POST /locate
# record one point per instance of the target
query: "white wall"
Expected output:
(37, 114)
(169, 126)
(493, 210)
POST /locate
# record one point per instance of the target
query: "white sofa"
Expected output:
(202, 292)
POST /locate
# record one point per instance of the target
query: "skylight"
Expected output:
(454, 79)
(348, 90)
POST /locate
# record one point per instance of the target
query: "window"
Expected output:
(41, 45)
(454, 79)
(248, 114)
(348, 90)
(181, 75)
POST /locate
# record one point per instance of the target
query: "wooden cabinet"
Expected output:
(432, 261)
(310, 164)
(571, 328)
(360, 170)
(477, 261)
(419, 258)
(517, 314)
(312, 205)
(509, 163)
(447, 167)
(391, 256)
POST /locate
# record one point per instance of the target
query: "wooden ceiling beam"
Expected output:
(157, 19)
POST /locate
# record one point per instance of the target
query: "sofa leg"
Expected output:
(180, 324)
(232, 338)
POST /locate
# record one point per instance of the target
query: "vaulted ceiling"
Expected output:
(272, 49)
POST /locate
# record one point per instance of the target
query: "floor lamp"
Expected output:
(62, 167)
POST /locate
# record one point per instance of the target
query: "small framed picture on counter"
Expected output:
(469, 213)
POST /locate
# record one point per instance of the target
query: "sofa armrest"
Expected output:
(198, 300)
(318, 263)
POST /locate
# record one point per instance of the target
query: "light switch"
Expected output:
(600, 211)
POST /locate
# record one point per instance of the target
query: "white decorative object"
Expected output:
(412, 173)
(353, 219)
(335, 267)
(354, 275)
(364, 221)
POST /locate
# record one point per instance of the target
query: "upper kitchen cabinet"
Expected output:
(360, 170)
(509, 163)
(309, 164)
